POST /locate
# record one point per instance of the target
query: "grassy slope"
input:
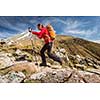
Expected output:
(79, 46)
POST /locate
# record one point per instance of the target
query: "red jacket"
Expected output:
(43, 34)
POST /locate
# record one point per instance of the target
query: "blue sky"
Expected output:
(87, 27)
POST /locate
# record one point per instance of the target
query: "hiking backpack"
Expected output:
(51, 31)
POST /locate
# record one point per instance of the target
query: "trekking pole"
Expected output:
(36, 62)
(34, 53)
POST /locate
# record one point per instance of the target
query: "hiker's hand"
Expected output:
(30, 29)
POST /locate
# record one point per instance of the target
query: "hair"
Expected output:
(40, 25)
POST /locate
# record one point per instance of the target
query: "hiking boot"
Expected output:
(43, 64)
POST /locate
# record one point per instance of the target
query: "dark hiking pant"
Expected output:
(48, 47)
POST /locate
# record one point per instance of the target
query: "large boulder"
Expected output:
(5, 60)
(48, 75)
(12, 77)
(52, 75)
(18, 72)
(25, 67)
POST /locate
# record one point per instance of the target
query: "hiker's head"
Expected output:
(40, 26)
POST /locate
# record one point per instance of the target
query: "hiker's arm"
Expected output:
(39, 34)
(36, 33)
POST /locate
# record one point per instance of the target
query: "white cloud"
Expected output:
(6, 24)
(73, 27)
(73, 24)
(81, 32)
(4, 34)
(97, 41)
(33, 21)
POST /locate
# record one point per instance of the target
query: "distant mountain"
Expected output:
(97, 41)
(79, 46)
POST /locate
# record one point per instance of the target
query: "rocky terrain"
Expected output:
(19, 55)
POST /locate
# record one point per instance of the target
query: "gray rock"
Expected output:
(54, 76)
(96, 66)
(18, 52)
(90, 64)
(75, 78)
(92, 78)
(38, 76)
(80, 66)
(12, 77)
(5, 61)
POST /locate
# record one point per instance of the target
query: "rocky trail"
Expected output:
(76, 69)
(81, 61)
